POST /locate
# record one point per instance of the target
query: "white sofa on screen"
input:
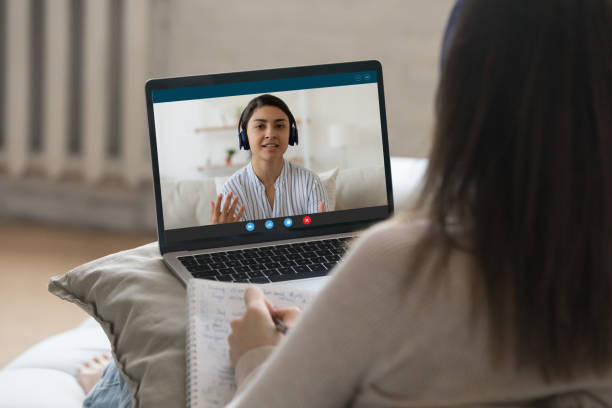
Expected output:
(186, 203)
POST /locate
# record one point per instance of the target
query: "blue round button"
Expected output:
(269, 224)
(288, 222)
(250, 226)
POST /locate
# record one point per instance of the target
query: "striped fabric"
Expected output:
(297, 191)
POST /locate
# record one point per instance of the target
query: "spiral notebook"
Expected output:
(211, 306)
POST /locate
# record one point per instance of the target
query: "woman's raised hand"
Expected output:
(223, 215)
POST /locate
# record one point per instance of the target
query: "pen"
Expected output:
(281, 327)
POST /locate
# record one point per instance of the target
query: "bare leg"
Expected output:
(90, 372)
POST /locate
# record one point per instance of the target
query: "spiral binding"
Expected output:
(190, 352)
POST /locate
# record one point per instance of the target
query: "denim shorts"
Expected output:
(110, 391)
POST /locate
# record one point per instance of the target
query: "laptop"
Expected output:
(265, 176)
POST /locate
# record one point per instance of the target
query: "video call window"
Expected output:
(269, 155)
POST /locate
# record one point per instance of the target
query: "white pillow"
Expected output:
(186, 202)
(407, 174)
(328, 178)
(361, 187)
(66, 351)
(39, 387)
(51, 367)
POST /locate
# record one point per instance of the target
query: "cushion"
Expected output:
(51, 366)
(361, 187)
(141, 308)
(407, 175)
(39, 387)
(328, 178)
(66, 351)
(186, 203)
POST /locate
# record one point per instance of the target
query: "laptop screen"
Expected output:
(269, 155)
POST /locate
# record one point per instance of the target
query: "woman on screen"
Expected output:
(269, 186)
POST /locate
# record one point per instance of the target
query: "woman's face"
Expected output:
(268, 133)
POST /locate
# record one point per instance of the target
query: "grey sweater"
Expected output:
(375, 336)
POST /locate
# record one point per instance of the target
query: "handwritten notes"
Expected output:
(212, 305)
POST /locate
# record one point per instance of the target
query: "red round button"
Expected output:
(306, 220)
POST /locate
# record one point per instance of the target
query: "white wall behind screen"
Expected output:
(338, 127)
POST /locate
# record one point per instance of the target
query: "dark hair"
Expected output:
(258, 102)
(522, 160)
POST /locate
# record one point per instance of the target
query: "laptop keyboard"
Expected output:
(268, 264)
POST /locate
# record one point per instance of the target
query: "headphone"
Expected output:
(243, 140)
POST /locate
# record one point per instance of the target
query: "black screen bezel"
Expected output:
(250, 76)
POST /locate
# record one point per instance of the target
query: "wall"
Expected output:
(201, 37)
(74, 141)
(193, 136)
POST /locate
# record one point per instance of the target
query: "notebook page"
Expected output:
(210, 377)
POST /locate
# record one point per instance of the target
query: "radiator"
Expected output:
(72, 75)
(72, 90)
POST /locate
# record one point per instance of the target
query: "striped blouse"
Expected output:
(297, 191)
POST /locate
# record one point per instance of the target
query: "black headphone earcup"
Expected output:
(243, 141)
(293, 136)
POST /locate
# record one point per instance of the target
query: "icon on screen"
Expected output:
(250, 226)
(367, 77)
(306, 220)
(269, 224)
(288, 222)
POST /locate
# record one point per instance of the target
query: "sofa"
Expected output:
(45, 375)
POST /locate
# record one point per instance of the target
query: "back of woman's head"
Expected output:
(522, 159)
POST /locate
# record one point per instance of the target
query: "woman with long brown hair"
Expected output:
(498, 290)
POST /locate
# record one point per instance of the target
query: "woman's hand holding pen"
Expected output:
(220, 215)
(256, 328)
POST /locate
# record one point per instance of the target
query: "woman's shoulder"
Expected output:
(393, 234)
(296, 169)
(239, 176)
(385, 247)
(400, 249)
(377, 274)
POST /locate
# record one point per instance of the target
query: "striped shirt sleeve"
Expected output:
(317, 195)
(235, 186)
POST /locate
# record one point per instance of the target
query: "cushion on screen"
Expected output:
(186, 203)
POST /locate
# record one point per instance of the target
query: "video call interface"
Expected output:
(270, 156)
